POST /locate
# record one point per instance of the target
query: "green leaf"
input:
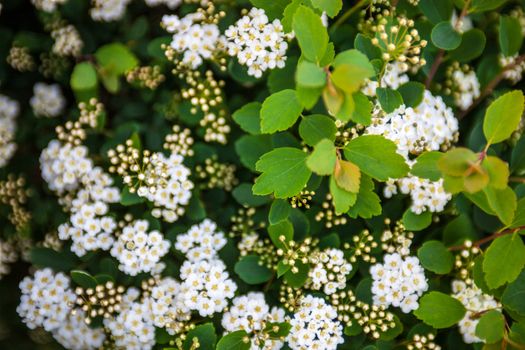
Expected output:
(279, 211)
(251, 147)
(514, 295)
(445, 37)
(503, 116)
(355, 58)
(435, 257)
(347, 175)
(308, 74)
(315, 127)
(519, 218)
(280, 111)
(331, 7)
(491, 327)
(389, 99)
(364, 45)
(127, 198)
(504, 259)
(341, 198)
(206, 335)
(310, 33)
(282, 228)
(282, 268)
(456, 161)
(47, 257)
(517, 160)
(83, 279)
(238, 340)
(244, 196)
(284, 173)
(485, 5)
(510, 37)
(472, 46)
(426, 166)
(416, 222)
(288, 15)
(116, 58)
(363, 109)
(503, 203)
(322, 160)
(376, 156)
(498, 171)
(480, 199)
(251, 271)
(436, 10)
(248, 118)
(277, 330)
(439, 310)
(308, 96)
(412, 93)
(84, 77)
(368, 203)
(297, 280)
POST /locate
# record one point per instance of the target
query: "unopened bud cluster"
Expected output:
(146, 77)
(102, 301)
(216, 175)
(13, 193)
(328, 214)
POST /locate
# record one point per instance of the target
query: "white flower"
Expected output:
(393, 77)
(75, 334)
(250, 313)
(206, 286)
(330, 270)
(45, 300)
(475, 301)
(315, 326)
(108, 10)
(257, 43)
(67, 41)
(172, 4)
(399, 282)
(201, 242)
(466, 88)
(515, 73)
(47, 100)
(9, 110)
(8, 255)
(138, 251)
(47, 5)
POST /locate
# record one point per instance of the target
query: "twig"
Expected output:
(349, 13)
(517, 179)
(488, 238)
(492, 85)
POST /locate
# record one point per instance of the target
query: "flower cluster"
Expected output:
(75, 334)
(162, 180)
(399, 282)
(47, 5)
(206, 286)
(48, 100)
(108, 10)
(167, 307)
(46, 300)
(315, 326)
(430, 126)
(91, 227)
(194, 38)
(8, 256)
(146, 76)
(20, 59)
(64, 165)
(257, 43)
(514, 70)
(172, 4)
(393, 77)
(9, 110)
(179, 141)
(13, 193)
(133, 327)
(137, 250)
(216, 174)
(251, 313)
(201, 242)
(67, 41)
(475, 301)
(463, 85)
(329, 272)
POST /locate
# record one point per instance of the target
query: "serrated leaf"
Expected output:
(341, 199)
(238, 340)
(284, 172)
(504, 259)
(313, 128)
(503, 116)
(426, 166)
(310, 33)
(323, 159)
(435, 257)
(389, 99)
(331, 7)
(280, 111)
(367, 203)
(308, 74)
(439, 310)
(491, 327)
(347, 175)
(376, 156)
(248, 118)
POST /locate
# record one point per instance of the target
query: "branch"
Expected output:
(491, 86)
(349, 13)
(488, 238)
